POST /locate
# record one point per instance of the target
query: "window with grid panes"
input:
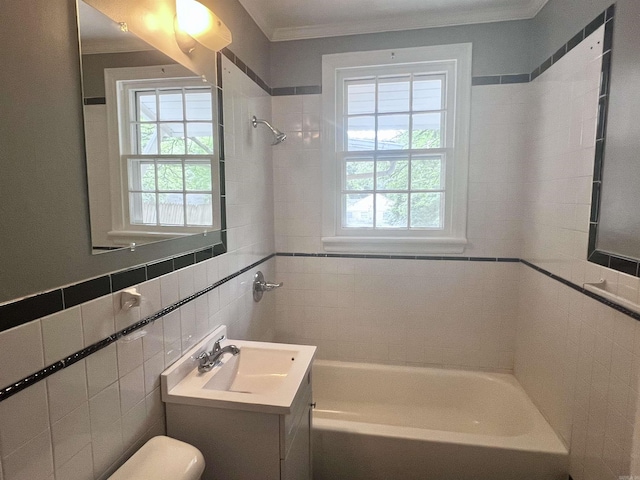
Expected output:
(398, 153)
(169, 153)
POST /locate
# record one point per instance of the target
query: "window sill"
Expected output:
(389, 245)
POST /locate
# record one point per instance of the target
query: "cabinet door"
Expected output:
(297, 465)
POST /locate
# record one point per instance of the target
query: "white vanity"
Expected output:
(250, 416)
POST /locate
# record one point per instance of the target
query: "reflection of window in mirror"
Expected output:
(166, 166)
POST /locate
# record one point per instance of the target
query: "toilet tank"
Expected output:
(162, 458)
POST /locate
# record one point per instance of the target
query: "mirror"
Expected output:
(151, 138)
(614, 234)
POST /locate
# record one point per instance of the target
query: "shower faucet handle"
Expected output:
(260, 286)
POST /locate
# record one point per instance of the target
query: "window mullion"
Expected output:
(157, 191)
(375, 158)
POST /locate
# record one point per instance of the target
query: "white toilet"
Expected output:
(162, 458)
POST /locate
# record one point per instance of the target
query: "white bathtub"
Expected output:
(388, 422)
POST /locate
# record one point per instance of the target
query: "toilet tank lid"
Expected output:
(162, 458)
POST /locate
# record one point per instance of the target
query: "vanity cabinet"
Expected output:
(241, 444)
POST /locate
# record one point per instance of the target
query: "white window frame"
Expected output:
(454, 59)
(118, 104)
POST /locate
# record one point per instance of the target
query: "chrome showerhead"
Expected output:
(279, 137)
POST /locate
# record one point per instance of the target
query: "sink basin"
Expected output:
(262, 377)
(253, 370)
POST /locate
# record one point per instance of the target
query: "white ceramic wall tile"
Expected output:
(130, 355)
(67, 390)
(32, 460)
(97, 319)
(152, 370)
(400, 311)
(169, 289)
(151, 300)
(13, 344)
(70, 435)
(153, 341)
(80, 467)
(134, 423)
(62, 334)
(106, 428)
(186, 282)
(132, 389)
(188, 327)
(23, 417)
(102, 369)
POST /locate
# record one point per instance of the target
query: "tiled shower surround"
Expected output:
(529, 194)
(531, 166)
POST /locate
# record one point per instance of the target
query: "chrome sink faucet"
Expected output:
(211, 359)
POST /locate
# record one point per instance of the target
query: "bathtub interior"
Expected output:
(372, 421)
(428, 398)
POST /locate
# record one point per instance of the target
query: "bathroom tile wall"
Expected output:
(450, 313)
(578, 359)
(85, 420)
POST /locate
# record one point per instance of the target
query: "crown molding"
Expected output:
(393, 24)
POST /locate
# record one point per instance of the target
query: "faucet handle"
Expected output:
(216, 345)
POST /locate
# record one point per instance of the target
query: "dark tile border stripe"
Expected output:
(20, 385)
(584, 291)
(95, 100)
(480, 80)
(398, 257)
(14, 314)
(596, 23)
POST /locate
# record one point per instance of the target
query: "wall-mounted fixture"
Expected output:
(260, 285)
(279, 137)
(196, 24)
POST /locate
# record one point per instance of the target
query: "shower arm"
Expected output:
(279, 136)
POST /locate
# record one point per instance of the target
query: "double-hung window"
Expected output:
(396, 154)
(167, 162)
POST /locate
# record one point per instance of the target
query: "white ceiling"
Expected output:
(297, 19)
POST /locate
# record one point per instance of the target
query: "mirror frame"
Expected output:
(628, 265)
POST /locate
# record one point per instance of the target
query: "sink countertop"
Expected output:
(182, 382)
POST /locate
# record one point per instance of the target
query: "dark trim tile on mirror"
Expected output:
(608, 259)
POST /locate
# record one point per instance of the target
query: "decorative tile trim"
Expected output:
(596, 23)
(16, 313)
(472, 259)
(95, 101)
(245, 69)
(582, 290)
(500, 79)
(301, 90)
(34, 378)
(399, 257)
